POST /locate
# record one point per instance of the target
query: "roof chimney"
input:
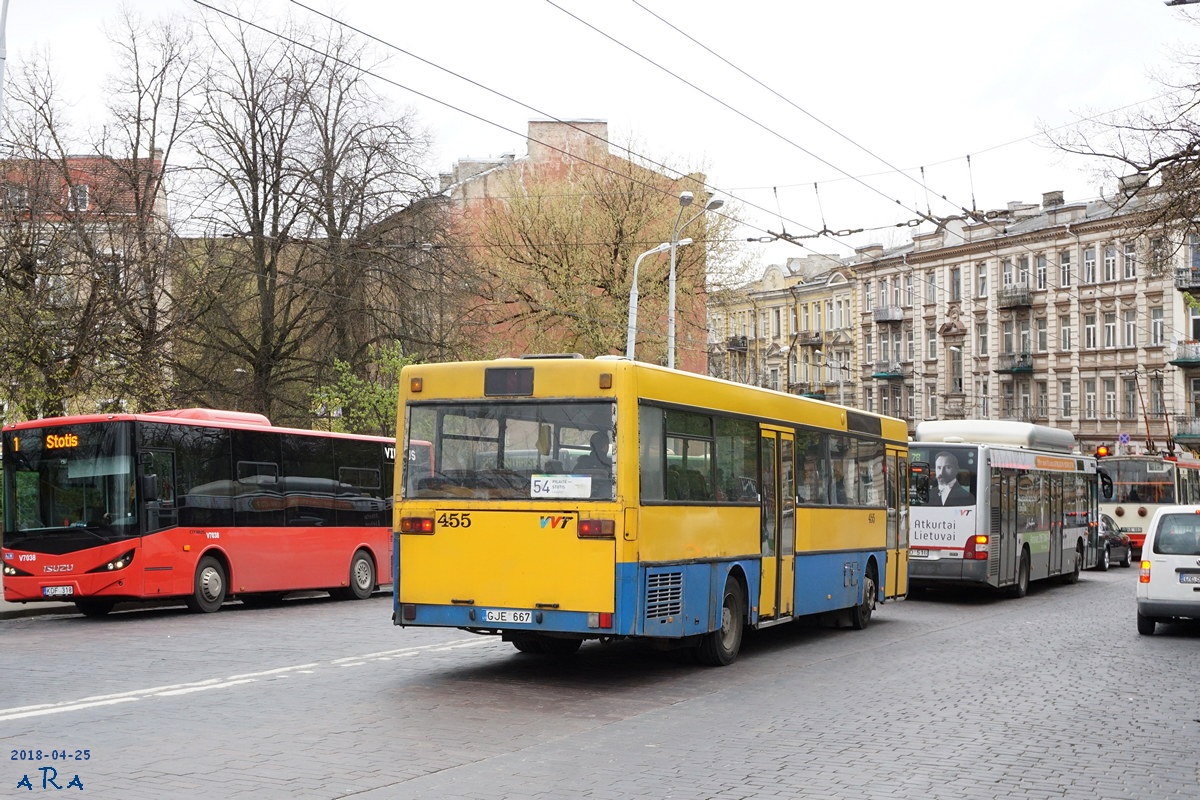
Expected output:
(1052, 199)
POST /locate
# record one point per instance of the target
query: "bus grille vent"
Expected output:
(664, 594)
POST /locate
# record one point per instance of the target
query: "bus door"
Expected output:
(777, 532)
(1002, 525)
(156, 471)
(896, 579)
(1057, 530)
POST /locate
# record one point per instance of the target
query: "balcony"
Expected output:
(1015, 363)
(815, 394)
(889, 314)
(1015, 296)
(808, 339)
(888, 371)
(1187, 279)
(1187, 354)
(1186, 429)
(736, 344)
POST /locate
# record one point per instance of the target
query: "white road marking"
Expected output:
(177, 689)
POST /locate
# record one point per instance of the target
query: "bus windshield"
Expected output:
(1141, 480)
(539, 450)
(942, 475)
(67, 487)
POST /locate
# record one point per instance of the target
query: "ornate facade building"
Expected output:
(1063, 314)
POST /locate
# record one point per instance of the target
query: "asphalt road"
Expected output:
(958, 696)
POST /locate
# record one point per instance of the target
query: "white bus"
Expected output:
(999, 504)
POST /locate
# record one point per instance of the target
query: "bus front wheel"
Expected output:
(362, 578)
(720, 647)
(210, 586)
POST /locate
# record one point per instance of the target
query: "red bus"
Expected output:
(197, 504)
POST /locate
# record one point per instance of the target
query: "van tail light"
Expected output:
(1145, 576)
(977, 548)
(597, 529)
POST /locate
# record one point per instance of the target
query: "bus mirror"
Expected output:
(149, 487)
(545, 438)
(1106, 485)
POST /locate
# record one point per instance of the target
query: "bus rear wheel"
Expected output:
(95, 608)
(1021, 587)
(1073, 575)
(719, 648)
(860, 615)
(362, 578)
(211, 586)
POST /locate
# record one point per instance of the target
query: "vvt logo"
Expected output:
(965, 512)
(555, 522)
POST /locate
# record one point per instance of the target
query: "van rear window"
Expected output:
(1178, 535)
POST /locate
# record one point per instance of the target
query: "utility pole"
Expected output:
(3, 50)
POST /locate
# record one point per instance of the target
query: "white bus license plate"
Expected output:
(918, 553)
(58, 591)
(492, 615)
(1189, 577)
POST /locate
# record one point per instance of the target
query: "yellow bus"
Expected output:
(571, 499)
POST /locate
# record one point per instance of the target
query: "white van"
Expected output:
(1169, 586)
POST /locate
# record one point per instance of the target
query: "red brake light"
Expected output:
(977, 548)
(416, 524)
(597, 529)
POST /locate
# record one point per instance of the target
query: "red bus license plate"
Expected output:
(58, 591)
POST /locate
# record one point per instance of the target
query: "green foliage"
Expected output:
(364, 405)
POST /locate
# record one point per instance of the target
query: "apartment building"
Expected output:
(1056, 313)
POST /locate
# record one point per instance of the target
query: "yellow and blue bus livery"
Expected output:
(572, 499)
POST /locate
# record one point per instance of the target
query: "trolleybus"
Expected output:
(196, 504)
(1143, 483)
(999, 504)
(575, 499)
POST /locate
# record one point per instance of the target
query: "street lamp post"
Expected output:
(685, 200)
(631, 330)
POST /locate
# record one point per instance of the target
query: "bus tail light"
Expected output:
(597, 529)
(600, 619)
(1145, 576)
(977, 548)
(416, 524)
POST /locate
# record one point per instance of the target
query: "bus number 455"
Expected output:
(454, 520)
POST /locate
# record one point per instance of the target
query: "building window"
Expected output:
(1006, 336)
(1040, 272)
(931, 397)
(981, 338)
(1158, 403)
(931, 287)
(1089, 265)
(1129, 395)
(1089, 399)
(912, 405)
(16, 197)
(931, 344)
(1064, 396)
(1110, 398)
(956, 370)
(1026, 341)
(1064, 269)
(985, 405)
(1043, 334)
(1156, 325)
(1066, 339)
(883, 292)
(1089, 331)
(868, 298)
(1130, 327)
(981, 279)
(955, 284)
(1043, 400)
(908, 291)
(1023, 271)
(1130, 260)
(912, 344)
(776, 318)
(1110, 263)
(1006, 272)
(77, 198)
(1110, 329)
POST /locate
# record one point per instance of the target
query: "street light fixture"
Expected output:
(631, 330)
(685, 200)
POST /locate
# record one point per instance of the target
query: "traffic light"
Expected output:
(1102, 451)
